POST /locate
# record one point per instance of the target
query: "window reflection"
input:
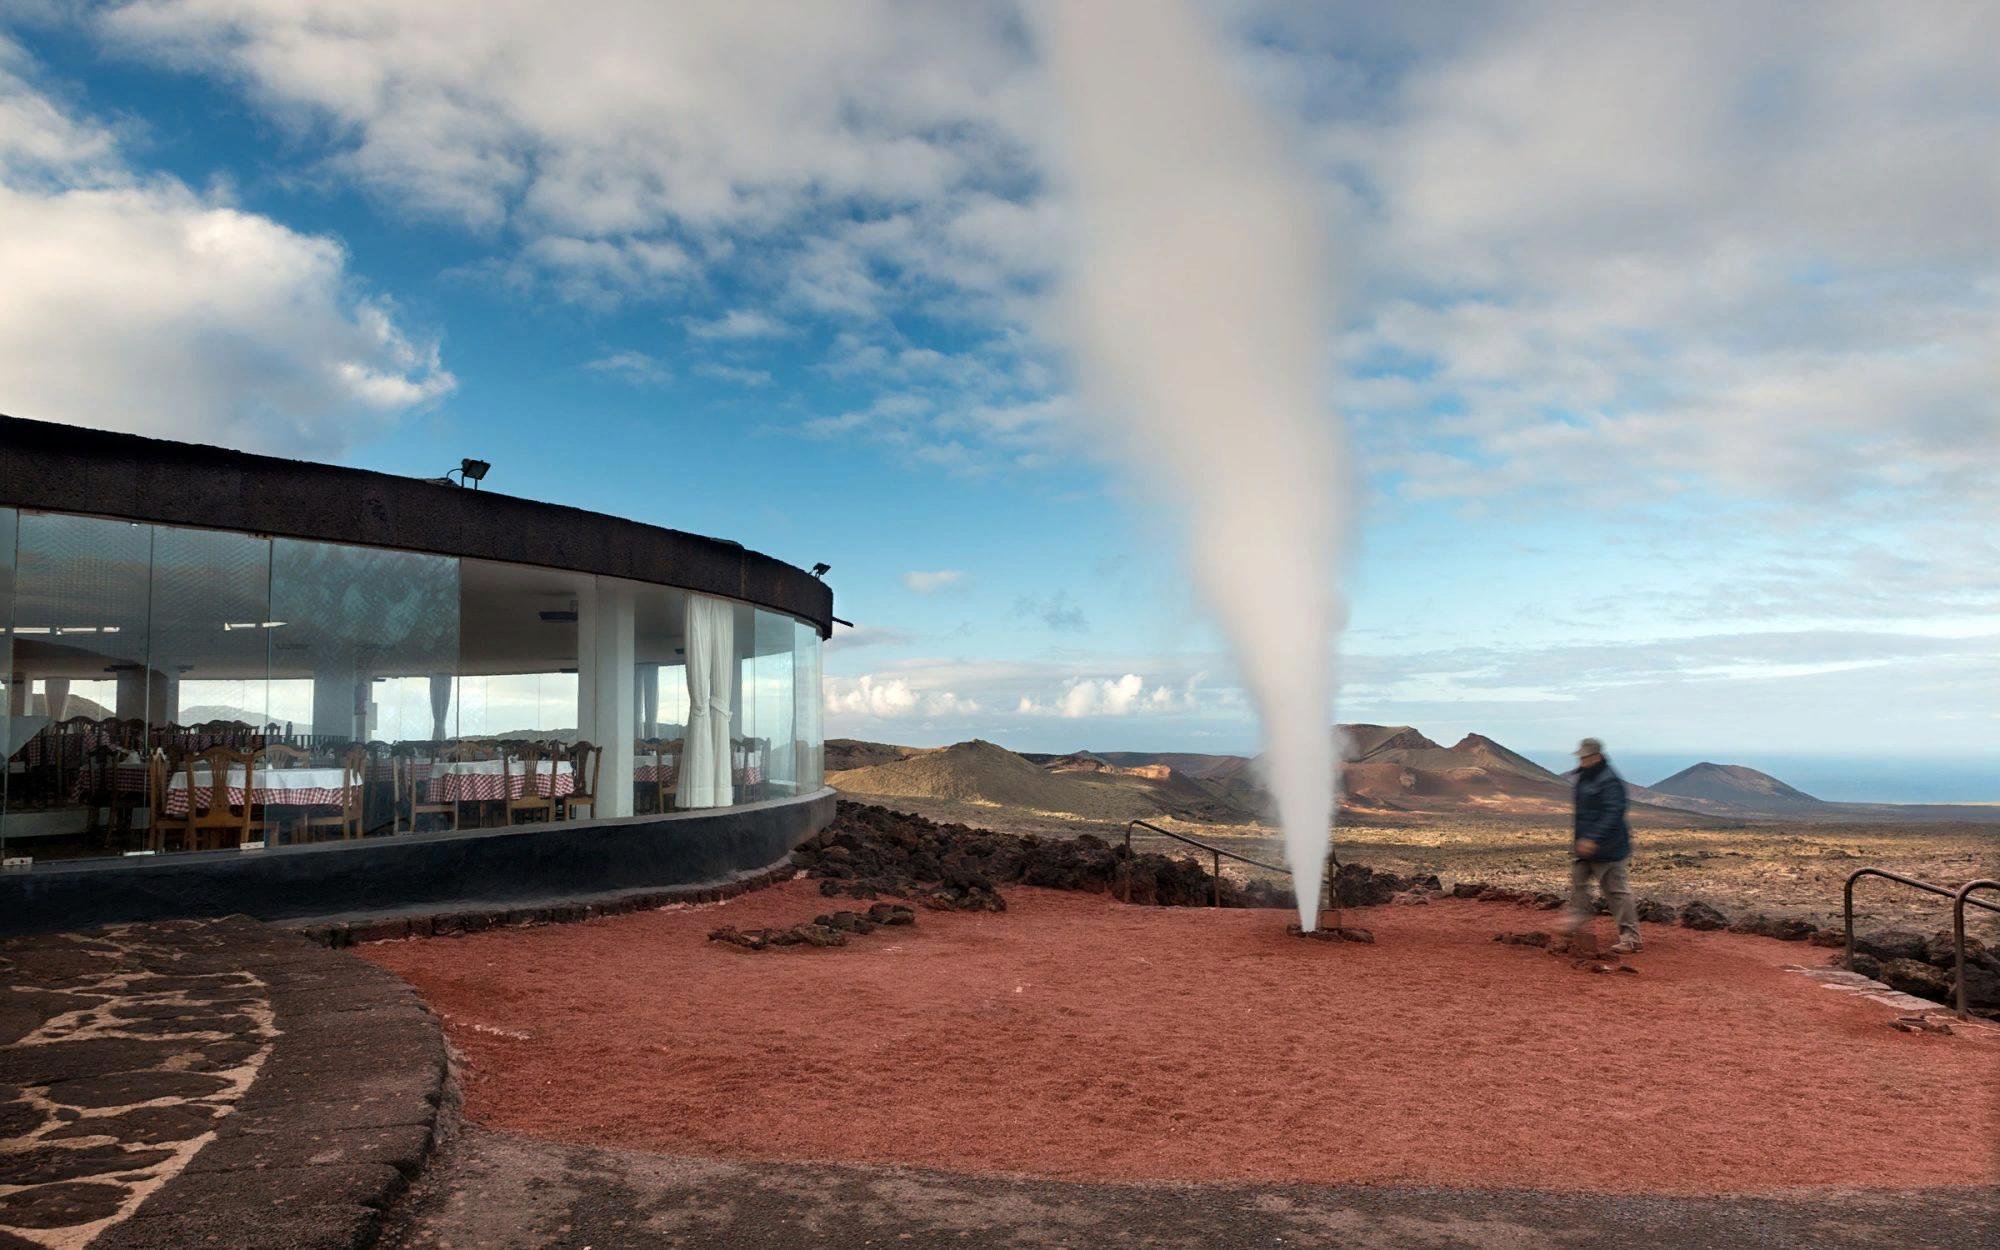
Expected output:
(13, 690)
(396, 691)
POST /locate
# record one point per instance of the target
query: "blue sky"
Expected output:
(1666, 339)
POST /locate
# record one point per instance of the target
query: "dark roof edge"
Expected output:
(67, 468)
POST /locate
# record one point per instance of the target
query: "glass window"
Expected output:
(79, 664)
(342, 616)
(806, 706)
(211, 631)
(659, 650)
(775, 686)
(750, 762)
(11, 688)
(517, 660)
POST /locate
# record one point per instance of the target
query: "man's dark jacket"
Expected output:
(1600, 812)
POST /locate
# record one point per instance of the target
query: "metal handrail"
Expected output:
(1959, 897)
(1212, 849)
(1958, 903)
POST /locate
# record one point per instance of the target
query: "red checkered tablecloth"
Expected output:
(65, 749)
(286, 787)
(484, 781)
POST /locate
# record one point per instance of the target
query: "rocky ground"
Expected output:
(205, 1083)
(871, 852)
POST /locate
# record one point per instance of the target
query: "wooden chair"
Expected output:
(649, 795)
(584, 761)
(412, 801)
(215, 823)
(161, 826)
(537, 788)
(348, 822)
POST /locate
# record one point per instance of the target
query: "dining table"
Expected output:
(268, 787)
(487, 781)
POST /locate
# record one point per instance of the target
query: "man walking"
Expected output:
(1603, 844)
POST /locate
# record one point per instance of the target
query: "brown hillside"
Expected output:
(981, 773)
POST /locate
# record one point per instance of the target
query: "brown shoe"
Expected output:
(1626, 946)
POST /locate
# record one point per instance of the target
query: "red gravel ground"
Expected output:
(1075, 1037)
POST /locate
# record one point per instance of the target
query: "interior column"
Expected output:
(607, 703)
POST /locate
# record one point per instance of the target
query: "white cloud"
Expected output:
(138, 303)
(735, 375)
(1716, 248)
(1112, 696)
(932, 581)
(637, 368)
(738, 324)
(892, 698)
(604, 120)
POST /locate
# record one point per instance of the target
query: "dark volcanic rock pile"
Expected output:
(828, 930)
(870, 851)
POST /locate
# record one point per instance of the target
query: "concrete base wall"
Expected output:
(524, 863)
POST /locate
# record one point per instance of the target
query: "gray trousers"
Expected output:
(1612, 883)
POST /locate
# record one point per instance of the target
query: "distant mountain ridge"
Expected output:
(1735, 786)
(1390, 772)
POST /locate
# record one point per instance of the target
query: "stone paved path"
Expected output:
(206, 1083)
(496, 1191)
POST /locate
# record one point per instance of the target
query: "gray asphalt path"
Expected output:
(496, 1191)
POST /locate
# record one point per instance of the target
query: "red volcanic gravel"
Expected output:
(1076, 1037)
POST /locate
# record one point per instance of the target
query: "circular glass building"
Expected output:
(240, 683)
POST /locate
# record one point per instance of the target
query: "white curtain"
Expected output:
(440, 704)
(55, 694)
(711, 659)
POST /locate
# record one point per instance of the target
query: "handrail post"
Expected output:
(1846, 912)
(1958, 935)
(1218, 878)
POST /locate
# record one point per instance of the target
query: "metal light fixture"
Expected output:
(821, 570)
(468, 470)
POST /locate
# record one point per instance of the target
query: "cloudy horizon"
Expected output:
(1669, 339)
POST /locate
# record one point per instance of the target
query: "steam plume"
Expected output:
(1198, 312)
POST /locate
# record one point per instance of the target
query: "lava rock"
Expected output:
(1982, 987)
(753, 940)
(1699, 915)
(1335, 933)
(1653, 911)
(1891, 944)
(1913, 976)
(1357, 885)
(1523, 939)
(818, 935)
(1468, 889)
(891, 913)
(1787, 929)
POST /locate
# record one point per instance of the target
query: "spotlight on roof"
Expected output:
(820, 570)
(468, 470)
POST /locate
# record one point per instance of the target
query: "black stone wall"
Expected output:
(521, 864)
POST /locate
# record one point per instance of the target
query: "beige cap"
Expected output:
(1590, 746)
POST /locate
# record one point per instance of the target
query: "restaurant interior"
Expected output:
(347, 692)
